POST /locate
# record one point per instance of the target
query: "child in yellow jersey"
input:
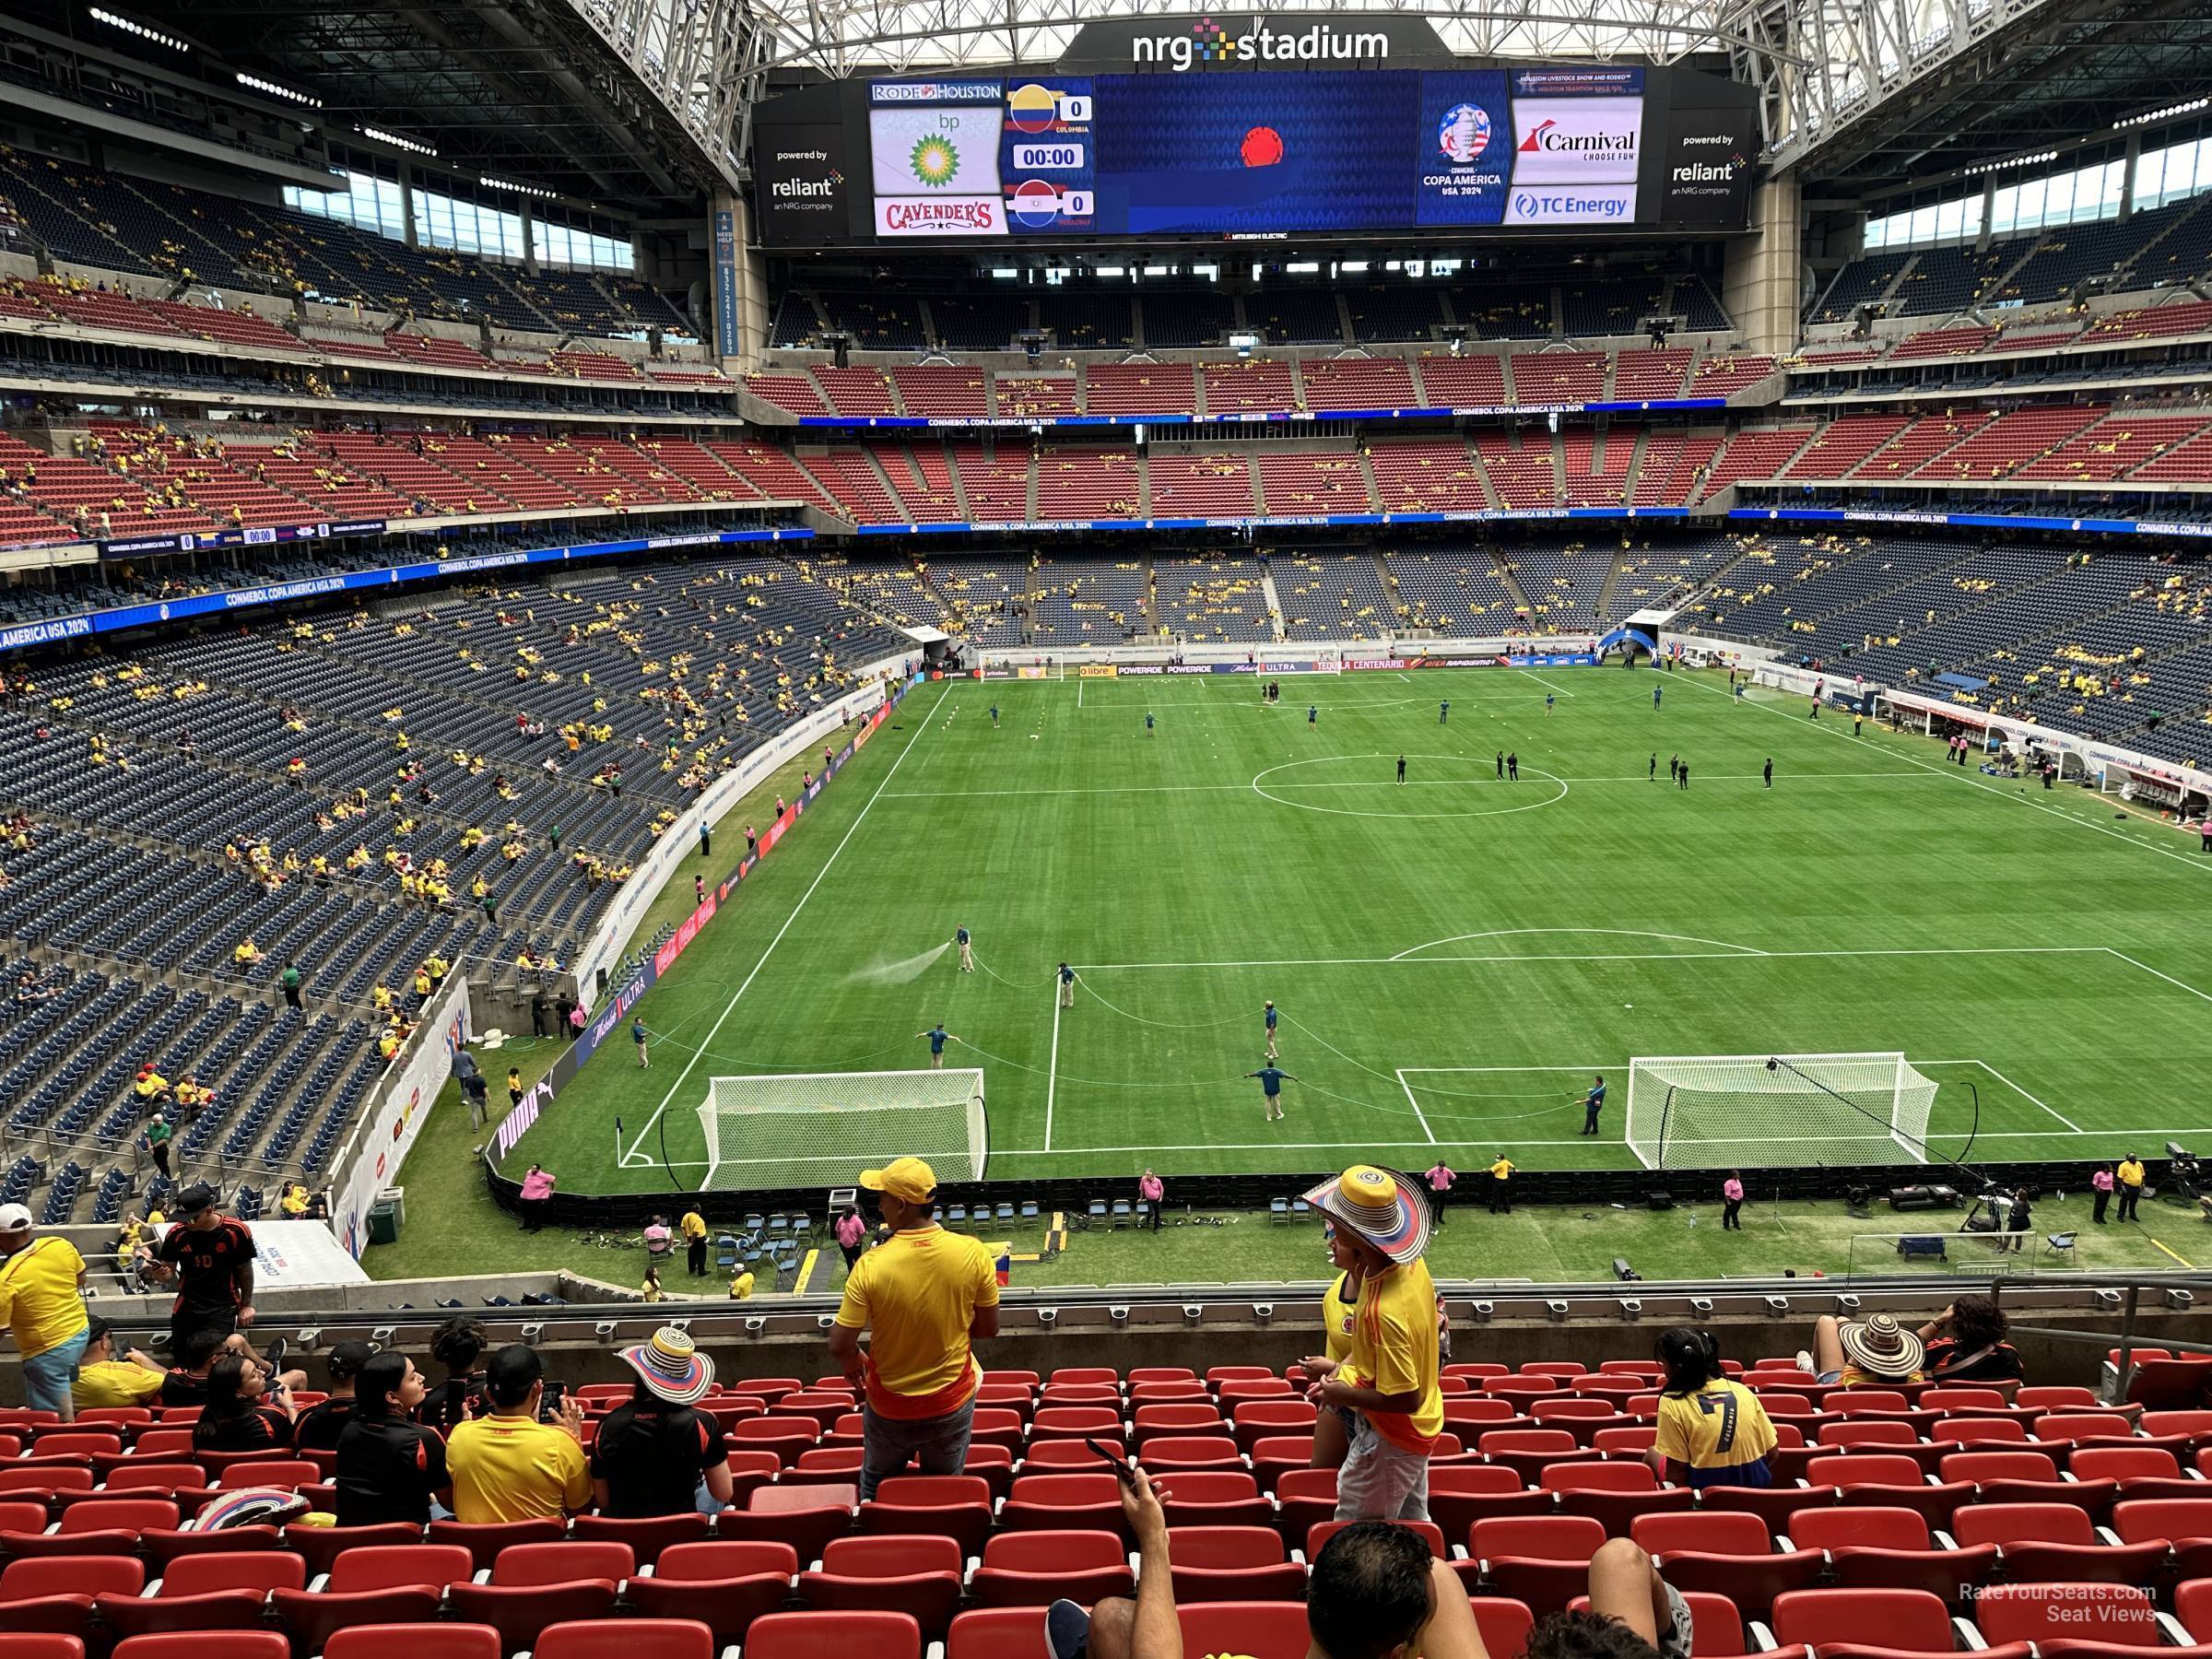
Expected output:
(1389, 1380)
(1332, 1431)
(1711, 1429)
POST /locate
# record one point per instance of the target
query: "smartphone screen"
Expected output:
(549, 1407)
(1120, 1464)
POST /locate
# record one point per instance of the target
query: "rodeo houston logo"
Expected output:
(1210, 44)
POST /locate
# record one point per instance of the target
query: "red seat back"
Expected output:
(1910, 1620)
(2119, 1613)
(1536, 1537)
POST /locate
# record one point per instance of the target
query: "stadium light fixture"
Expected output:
(253, 83)
(516, 188)
(2170, 112)
(396, 141)
(2007, 165)
(117, 20)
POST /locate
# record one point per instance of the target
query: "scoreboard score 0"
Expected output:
(1261, 154)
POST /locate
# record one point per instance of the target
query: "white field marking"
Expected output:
(1052, 1067)
(1620, 932)
(1579, 1140)
(2155, 974)
(1079, 684)
(1532, 772)
(731, 1008)
(1734, 954)
(1965, 776)
(1417, 1115)
(2008, 1083)
(955, 794)
(1546, 684)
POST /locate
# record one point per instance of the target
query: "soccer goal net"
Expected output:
(1705, 1111)
(823, 1128)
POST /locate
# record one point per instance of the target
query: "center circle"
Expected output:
(1385, 779)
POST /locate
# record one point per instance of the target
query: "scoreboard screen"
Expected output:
(1259, 155)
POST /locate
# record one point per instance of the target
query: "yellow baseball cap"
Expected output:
(909, 1179)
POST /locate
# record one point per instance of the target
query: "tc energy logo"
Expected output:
(1210, 44)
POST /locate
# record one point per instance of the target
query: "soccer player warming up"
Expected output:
(1272, 1077)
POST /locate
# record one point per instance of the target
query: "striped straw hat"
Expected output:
(671, 1367)
(1381, 1205)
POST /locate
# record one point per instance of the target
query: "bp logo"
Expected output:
(935, 160)
(1463, 134)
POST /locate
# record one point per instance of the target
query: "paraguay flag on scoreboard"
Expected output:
(1047, 160)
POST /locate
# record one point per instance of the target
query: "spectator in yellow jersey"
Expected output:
(741, 1286)
(923, 1296)
(247, 954)
(42, 1297)
(1333, 1431)
(1391, 1380)
(1711, 1430)
(106, 1379)
(510, 1466)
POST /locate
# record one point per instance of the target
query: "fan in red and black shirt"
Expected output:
(389, 1468)
(243, 1412)
(209, 1257)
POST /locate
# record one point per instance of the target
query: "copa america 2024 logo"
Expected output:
(1463, 134)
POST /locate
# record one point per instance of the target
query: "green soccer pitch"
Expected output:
(1452, 959)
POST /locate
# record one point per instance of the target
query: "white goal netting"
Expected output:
(1705, 1111)
(823, 1128)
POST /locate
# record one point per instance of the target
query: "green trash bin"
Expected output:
(383, 1222)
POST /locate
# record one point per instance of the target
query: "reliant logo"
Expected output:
(1208, 44)
(1705, 172)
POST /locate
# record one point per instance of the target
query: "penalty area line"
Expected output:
(819, 876)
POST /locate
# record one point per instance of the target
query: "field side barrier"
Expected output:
(609, 1016)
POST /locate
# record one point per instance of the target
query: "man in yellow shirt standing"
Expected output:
(510, 1466)
(41, 1296)
(694, 1229)
(923, 1295)
(2129, 1176)
(1390, 1380)
(1501, 1186)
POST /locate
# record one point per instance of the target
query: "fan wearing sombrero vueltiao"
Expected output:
(654, 1454)
(1389, 1381)
(1877, 1350)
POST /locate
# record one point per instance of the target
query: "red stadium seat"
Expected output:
(1889, 1548)
(2054, 1543)
(1065, 1503)
(2054, 1616)
(1036, 1568)
(646, 1536)
(209, 1644)
(216, 1591)
(485, 1540)
(627, 1639)
(535, 1586)
(1503, 1624)
(54, 1595)
(435, 1642)
(1259, 1629)
(1233, 1563)
(1542, 1560)
(1318, 1534)
(1215, 1498)
(721, 1585)
(1730, 1554)
(911, 1574)
(1879, 1622)
(834, 1636)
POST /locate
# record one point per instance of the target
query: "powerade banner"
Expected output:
(1301, 142)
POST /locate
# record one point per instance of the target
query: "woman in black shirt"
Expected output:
(389, 1466)
(1966, 1343)
(241, 1415)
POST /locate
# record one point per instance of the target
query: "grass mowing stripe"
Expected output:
(851, 830)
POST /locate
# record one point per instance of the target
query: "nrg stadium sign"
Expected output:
(1253, 41)
(1207, 42)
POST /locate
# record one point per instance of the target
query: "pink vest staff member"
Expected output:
(1439, 1185)
(1732, 1195)
(1151, 1190)
(850, 1231)
(536, 1196)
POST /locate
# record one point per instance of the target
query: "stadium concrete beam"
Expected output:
(641, 155)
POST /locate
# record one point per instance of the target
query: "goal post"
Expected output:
(1705, 1111)
(817, 1129)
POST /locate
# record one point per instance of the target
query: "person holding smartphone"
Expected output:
(510, 1467)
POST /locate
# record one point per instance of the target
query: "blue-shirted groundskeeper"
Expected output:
(1272, 1079)
(1593, 1102)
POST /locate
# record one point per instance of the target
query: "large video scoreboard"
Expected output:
(1257, 153)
